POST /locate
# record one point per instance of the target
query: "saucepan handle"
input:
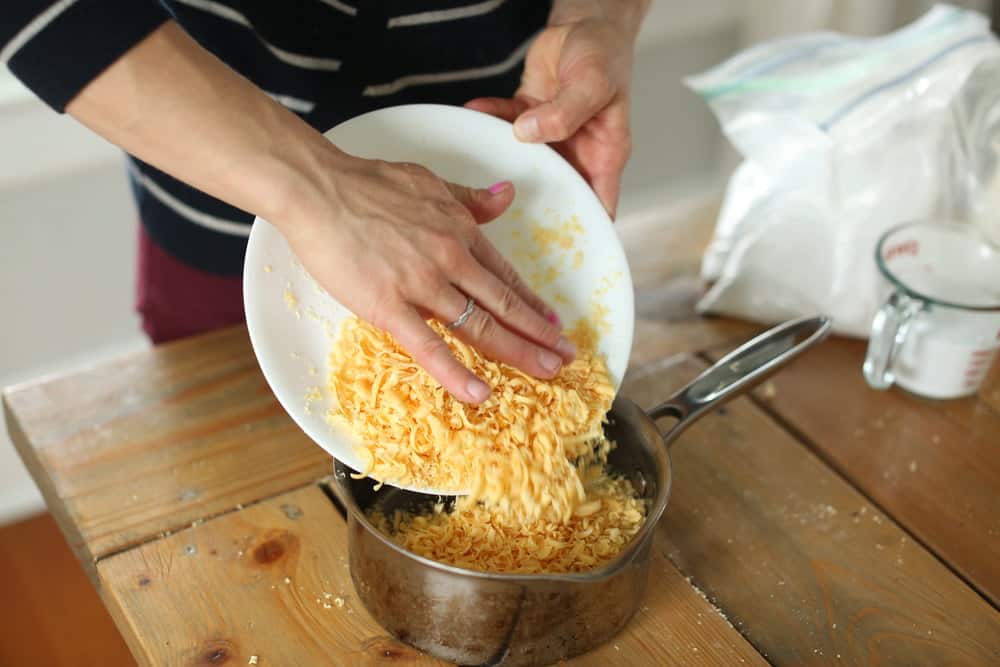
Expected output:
(741, 370)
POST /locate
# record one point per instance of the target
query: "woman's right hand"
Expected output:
(396, 245)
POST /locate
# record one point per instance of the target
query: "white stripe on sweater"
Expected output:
(231, 227)
(293, 103)
(35, 26)
(472, 73)
(341, 7)
(301, 60)
(442, 15)
(297, 59)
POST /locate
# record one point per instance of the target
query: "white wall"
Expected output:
(677, 144)
(67, 227)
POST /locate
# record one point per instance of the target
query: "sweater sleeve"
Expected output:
(57, 47)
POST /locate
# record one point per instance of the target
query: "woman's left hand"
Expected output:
(575, 89)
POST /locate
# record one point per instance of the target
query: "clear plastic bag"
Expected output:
(976, 164)
(842, 138)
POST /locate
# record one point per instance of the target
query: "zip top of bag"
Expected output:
(819, 63)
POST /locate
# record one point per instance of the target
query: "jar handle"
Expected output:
(889, 329)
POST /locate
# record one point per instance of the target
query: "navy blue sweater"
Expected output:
(326, 60)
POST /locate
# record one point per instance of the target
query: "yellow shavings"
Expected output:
(583, 334)
(543, 276)
(586, 332)
(476, 538)
(518, 451)
(562, 235)
(607, 284)
(599, 317)
(312, 395)
(292, 302)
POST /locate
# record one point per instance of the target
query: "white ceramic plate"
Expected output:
(291, 320)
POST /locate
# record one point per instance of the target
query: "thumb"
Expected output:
(485, 204)
(557, 120)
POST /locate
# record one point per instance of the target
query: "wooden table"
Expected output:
(816, 523)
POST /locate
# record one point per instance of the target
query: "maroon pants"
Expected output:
(176, 300)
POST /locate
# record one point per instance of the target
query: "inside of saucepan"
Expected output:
(639, 455)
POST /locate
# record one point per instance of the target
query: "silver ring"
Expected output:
(470, 305)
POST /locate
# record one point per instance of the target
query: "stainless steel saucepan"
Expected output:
(479, 618)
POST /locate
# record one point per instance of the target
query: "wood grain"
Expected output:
(675, 626)
(154, 441)
(51, 615)
(934, 466)
(805, 566)
(262, 581)
(265, 581)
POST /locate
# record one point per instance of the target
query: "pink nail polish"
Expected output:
(497, 188)
(552, 317)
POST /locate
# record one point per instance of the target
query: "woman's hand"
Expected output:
(575, 89)
(396, 244)
(392, 242)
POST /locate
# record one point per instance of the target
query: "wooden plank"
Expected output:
(808, 570)
(656, 340)
(50, 614)
(262, 581)
(147, 444)
(265, 581)
(932, 465)
(675, 626)
(664, 250)
(269, 581)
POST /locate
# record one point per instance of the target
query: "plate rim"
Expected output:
(305, 425)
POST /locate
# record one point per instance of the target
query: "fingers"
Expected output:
(499, 286)
(483, 332)
(576, 102)
(485, 204)
(433, 354)
(501, 107)
(603, 172)
(607, 178)
(607, 187)
(530, 320)
(602, 152)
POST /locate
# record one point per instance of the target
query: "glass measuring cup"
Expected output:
(939, 330)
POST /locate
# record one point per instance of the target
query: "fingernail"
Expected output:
(566, 348)
(478, 391)
(553, 318)
(497, 188)
(550, 362)
(526, 128)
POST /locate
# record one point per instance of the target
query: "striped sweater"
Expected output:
(326, 60)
